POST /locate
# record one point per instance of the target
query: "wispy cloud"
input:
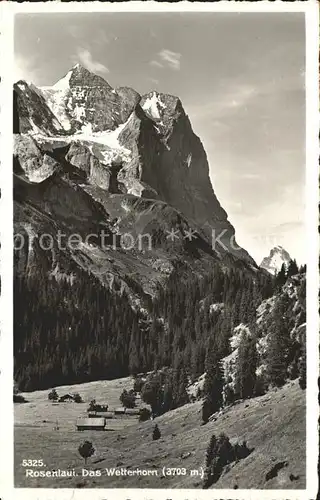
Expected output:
(167, 58)
(171, 58)
(239, 96)
(85, 57)
(154, 80)
(155, 63)
(227, 101)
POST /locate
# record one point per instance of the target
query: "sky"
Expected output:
(241, 79)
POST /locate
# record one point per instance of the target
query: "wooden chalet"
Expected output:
(134, 412)
(91, 424)
(120, 411)
(101, 414)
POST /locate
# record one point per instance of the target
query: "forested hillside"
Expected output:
(77, 330)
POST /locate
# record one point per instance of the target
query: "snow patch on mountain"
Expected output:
(108, 137)
(22, 86)
(64, 83)
(104, 145)
(152, 106)
(135, 188)
(79, 112)
(55, 99)
(106, 141)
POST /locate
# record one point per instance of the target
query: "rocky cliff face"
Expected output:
(85, 153)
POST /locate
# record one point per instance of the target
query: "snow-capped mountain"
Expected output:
(277, 256)
(85, 102)
(88, 154)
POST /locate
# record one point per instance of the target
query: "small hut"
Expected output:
(132, 412)
(102, 414)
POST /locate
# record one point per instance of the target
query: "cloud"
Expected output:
(156, 63)
(167, 58)
(85, 58)
(171, 58)
(228, 100)
(239, 96)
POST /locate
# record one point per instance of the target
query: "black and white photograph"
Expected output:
(162, 218)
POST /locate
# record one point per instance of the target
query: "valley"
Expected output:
(273, 425)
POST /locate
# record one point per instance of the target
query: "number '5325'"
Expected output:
(32, 463)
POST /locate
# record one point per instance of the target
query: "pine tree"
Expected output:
(168, 400)
(219, 453)
(156, 434)
(77, 398)
(195, 362)
(303, 269)
(281, 277)
(246, 367)
(92, 405)
(213, 384)
(152, 393)
(279, 340)
(180, 384)
(144, 414)
(134, 362)
(292, 268)
(53, 395)
(206, 410)
(138, 384)
(210, 456)
(211, 450)
(128, 399)
(303, 369)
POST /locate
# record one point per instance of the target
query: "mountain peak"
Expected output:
(79, 69)
(278, 248)
(79, 76)
(158, 105)
(277, 256)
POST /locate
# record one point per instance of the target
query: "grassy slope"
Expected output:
(274, 425)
